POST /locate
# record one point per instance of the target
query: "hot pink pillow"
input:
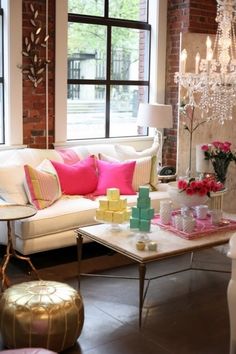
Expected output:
(79, 178)
(115, 175)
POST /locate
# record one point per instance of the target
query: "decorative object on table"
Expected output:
(113, 208)
(202, 228)
(189, 223)
(192, 192)
(156, 116)
(212, 87)
(201, 211)
(190, 124)
(165, 211)
(142, 214)
(220, 155)
(41, 313)
(36, 64)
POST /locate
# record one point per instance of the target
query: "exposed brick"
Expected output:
(186, 16)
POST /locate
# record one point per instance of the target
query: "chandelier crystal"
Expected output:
(212, 87)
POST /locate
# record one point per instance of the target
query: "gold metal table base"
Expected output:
(10, 252)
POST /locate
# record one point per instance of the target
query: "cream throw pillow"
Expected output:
(12, 184)
(125, 152)
(144, 172)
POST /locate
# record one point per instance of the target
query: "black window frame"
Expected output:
(108, 82)
(2, 78)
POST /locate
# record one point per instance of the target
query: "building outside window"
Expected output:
(2, 130)
(108, 67)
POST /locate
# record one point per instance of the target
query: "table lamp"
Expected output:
(156, 116)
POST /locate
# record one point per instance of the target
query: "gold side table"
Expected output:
(9, 213)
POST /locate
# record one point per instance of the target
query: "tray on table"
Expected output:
(203, 227)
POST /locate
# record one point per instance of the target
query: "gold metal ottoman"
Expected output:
(45, 314)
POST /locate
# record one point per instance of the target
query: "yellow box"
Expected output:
(108, 215)
(113, 194)
(103, 204)
(114, 205)
(127, 214)
(123, 203)
(99, 214)
(119, 217)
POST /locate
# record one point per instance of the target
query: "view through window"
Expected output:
(108, 67)
(2, 133)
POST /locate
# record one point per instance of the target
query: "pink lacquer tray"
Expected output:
(202, 228)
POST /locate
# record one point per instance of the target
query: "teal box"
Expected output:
(135, 212)
(144, 225)
(144, 192)
(147, 214)
(134, 223)
(144, 203)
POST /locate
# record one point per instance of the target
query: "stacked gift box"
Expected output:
(113, 208)
(142, 214)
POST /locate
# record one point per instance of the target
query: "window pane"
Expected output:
(86, 7)
(1, 116)
(130, 54)
(1, 47)
(124, 109)
(86, 51)
(128, 9)
(86, 111)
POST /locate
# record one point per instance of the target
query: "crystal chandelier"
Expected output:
(212, 88)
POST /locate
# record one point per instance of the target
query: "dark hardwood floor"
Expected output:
(185, 313)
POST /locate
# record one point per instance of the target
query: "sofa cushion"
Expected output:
(79, 178)
(143, 172)
(69, 156)
(12, 184)
(42, 188)
(115, 175)
(125, 152)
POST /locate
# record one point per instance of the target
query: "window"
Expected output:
(2, 130)
(107, 67)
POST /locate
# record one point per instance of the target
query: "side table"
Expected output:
(8, 213)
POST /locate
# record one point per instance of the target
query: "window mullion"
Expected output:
(108, 86)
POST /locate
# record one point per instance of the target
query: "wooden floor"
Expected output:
(185, 313)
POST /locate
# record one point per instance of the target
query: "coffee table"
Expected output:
(168, 245)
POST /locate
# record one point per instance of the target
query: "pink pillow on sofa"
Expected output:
(79, 178)
(115, 175)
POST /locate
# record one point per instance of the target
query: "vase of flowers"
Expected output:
(193, 192)
(220, 155)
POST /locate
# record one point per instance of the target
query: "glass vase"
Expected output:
(220, 167)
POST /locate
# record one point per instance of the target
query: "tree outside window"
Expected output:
(108, 67)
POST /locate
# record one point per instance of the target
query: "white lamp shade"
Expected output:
(155, 115)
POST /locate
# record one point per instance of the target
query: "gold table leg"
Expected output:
(10, 252)
(79, 255)
(142, 272)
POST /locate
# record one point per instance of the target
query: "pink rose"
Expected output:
(216, 143)
(204, 147)
(182, 184)
(189, 191)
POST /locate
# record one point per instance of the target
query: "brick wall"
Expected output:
(183, 16)
(34, 98)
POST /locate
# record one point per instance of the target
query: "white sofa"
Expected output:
(54, 226)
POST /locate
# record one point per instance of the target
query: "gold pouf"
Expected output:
(45, 314)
